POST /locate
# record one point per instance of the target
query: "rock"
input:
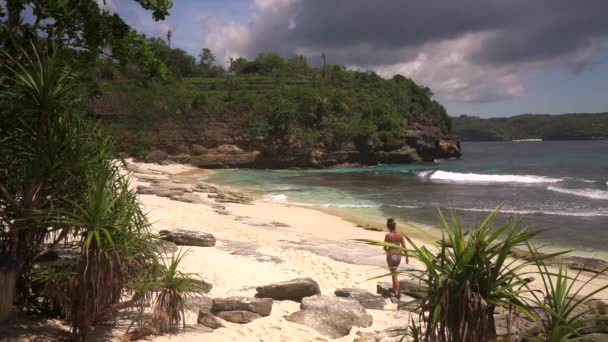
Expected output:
(158, 191)
(368, 300)
(228, 149)
(331, 316)
(372, 228)
(596, 337)
(188, 238)
(178, 149)
(156, 156)
(201, 303)
(197, 150)
(586, 264)
(241, 317)
(231, 197)
(209, 320)
(294, 289)
(262, 306)
(407, 286)
(203, 285)
(168, 246)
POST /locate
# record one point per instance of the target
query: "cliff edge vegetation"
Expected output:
(269, 112)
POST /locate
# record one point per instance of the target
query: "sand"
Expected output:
(269, 242)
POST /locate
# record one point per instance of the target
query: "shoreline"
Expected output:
(259, 243)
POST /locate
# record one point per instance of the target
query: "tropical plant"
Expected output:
(174, 287)
(468, 278)
(562, 306)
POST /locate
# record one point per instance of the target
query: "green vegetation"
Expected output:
(471, 275)
(531, 126)
(59, 185)
(272, 101)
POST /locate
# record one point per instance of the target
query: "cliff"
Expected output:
(347, 118)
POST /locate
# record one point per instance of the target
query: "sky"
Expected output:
(479, 57)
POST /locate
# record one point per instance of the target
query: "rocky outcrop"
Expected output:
(262, 306)
(294, 289)
(240, 310)
(368, 300)
(220, 157)
(331, 316)
(156, 156)
(578, 263)
(182, 237)
(209, 320)
(240, 317)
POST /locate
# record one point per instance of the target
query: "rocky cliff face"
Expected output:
(225, 149)
(221, 141)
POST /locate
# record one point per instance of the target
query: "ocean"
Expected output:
(557, 187)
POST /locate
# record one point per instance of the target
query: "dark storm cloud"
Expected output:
(521, 30)
(465, 50)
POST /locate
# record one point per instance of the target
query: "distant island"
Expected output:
(583, 126)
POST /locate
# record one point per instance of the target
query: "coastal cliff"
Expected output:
(348, 118)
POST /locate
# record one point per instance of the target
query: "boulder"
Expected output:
(331, 316)
(202, 285)
(228, 149)
(197, 150)
(188, 238)
(209, 320)
(294, 289)
(156, 156)
(586, 264)
(241, 317)
(407, 286)
(262, 306)
(596, 337)
(367, 299)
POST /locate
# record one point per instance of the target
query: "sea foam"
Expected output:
(454, 177)
(588, 193)
(276, 198)
(537, 212)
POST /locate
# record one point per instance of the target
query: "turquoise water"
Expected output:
(560, 187)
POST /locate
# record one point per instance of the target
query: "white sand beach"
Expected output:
(262, 243)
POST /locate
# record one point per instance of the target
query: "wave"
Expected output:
(355, 205)
(455, 177)
(276, 198)
(588, 193)
(537, 212)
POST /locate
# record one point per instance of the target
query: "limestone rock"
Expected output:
(241, 317)
(294, 289)
(197, 150)
(262, 306)
(368, 300)
(586, 264)
(188, 238)
(209, 320)
(231, 197)
(596, 337)
(156, 156)
(331, 316)
(203, 285)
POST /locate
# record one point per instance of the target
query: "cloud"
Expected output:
(467, 50)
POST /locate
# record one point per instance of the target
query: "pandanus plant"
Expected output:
(467, 278)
